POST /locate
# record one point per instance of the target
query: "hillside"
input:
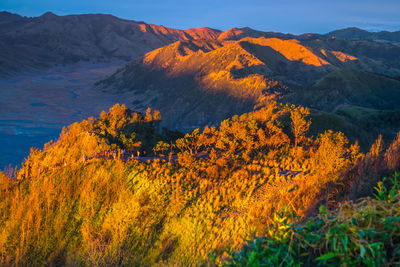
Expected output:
(360, 104)
(350, 87)
(199, 82)
(114, 191)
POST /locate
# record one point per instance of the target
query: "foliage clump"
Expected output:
(362, 233)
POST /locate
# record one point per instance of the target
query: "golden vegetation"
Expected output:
(216, 188)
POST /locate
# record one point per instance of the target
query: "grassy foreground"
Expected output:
(116, 191)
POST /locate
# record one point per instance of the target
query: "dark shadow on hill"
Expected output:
(183, 103)
(346, 87)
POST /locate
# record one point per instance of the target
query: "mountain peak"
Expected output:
(247, 29)
(351, 29)
(8, 17)
(48, 15)
(356, 33)
(239, 33)
(203, 33)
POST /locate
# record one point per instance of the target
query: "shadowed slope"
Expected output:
(351, 87)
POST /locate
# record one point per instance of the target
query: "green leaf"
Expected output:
(253, 257)
(345, 242)
(327, 256)
(322, 209)
(362, 251)
(362, 233)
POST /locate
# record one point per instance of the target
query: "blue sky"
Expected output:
(294, 16)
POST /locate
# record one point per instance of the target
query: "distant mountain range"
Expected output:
(39, 42)
(356, 33)
(51, 39)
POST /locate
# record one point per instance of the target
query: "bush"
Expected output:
(362, 233)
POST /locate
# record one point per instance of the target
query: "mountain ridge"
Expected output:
(31, 43)
(50, 39)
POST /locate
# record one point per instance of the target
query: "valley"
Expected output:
(35, 106)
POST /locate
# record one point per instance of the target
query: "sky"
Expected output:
(289, 16)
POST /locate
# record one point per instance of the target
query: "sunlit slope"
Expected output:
(200, 82)
(76, 205)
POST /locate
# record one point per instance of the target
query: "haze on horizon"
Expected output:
(289, 16)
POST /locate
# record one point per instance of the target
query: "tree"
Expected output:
(162, 147)
(131, 144)
(299, 123)
(189, 142)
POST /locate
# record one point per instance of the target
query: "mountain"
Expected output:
(39, 42)
(27, 43)
(199, 82)
(356, 33)
(239, 33)
(7, 17)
